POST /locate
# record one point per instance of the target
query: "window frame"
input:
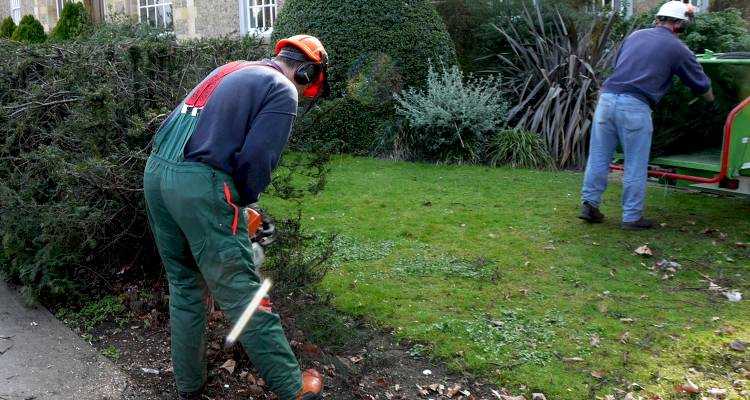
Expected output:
(264, 29)
(15, 12)
(152, 6)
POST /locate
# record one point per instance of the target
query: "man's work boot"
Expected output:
(190, 396)
(312, 386)
(639, 225)
(590, 213)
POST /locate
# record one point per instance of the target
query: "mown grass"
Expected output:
(491, 271)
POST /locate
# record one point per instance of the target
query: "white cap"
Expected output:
(673, 9)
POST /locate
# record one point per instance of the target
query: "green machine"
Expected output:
(725, 168)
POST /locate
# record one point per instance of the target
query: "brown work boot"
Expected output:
(639, 225)
(312, 386)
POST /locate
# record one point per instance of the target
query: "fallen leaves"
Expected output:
(644, 251)
(595, 340)
(229, 366)
(599, 373)
(688, 387)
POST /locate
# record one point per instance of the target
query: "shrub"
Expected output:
(449, 120)
(518, 149)
(410, 32)
(75, 134)
(7, 28)
(556, 78)
(29, 30)
(342, 125)
(74, 21)
(721, 31)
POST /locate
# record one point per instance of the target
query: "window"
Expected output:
(157, 13)
(15, 11)
(257, 16)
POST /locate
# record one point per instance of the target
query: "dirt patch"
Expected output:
(372, 366)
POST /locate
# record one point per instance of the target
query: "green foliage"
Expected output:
(410, 32)
(92, 312)
(293, 269)
(722, 31)
(742, 5)
(111, 352)
(556, 77)
(75, 134)
(518, 149)
(74, 21)
(29, 30)
(450, 119)
(7, 28)
(341, 125)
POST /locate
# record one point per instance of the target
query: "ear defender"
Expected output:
(306, 73)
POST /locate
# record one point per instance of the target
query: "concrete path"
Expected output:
(40, 358)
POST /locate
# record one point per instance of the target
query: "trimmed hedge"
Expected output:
(7, 28)
(409, 31)
(29, 30)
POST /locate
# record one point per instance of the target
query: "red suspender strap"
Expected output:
(200, 95)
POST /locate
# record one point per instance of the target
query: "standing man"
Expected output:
(211, 156)
(643, 73)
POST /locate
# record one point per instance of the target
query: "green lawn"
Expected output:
(491, 271)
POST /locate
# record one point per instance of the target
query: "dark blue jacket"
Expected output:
(245, 126)
(646, 63)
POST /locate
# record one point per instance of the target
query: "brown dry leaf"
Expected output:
(644, 251)
(627, 320)
(229, 366)
(599, 373)
(595, 340)
(453, 390)
(507, 397)
(603, 308)
(738, 345)
(381, 382)
(422, 392)
(625, 338)
(355, 359)
(688, 387)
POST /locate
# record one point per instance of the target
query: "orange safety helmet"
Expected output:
(315, 69)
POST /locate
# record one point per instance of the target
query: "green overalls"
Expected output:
(203, 241)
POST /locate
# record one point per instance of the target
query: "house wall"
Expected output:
(114, 8)
(642, 6)
(4, 9)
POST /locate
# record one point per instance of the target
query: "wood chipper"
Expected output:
(724, 167)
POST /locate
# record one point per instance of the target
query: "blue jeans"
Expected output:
(627, 120)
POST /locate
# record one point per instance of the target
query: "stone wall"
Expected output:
(217, 18)
(114, 8)
(641, 6)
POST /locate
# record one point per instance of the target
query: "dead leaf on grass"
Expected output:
(229, 366)
(599, 373)
(422, 392)
(688, 387)
(603, 308)
(572, 359)
(644, 251)
(453, 390)
(627, 320)
(595, 341)
(625, 338)
(717, 393)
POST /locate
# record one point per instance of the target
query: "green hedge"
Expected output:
(7, 28)
(75, 132)
(29, 30)
(409, 31)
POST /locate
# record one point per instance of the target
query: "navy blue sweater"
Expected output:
(646, 63)
(245, 126)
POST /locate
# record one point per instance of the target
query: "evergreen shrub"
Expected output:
(75, 131)
(74, 21)
(7, 28)
(449, 120)
(29, 30)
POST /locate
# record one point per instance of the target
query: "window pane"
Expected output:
(253, 18)
(159, 16)
(168, 18)
(267, 17)
(143, 3)
(151, 16)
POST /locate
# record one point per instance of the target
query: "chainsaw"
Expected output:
(262, 233)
